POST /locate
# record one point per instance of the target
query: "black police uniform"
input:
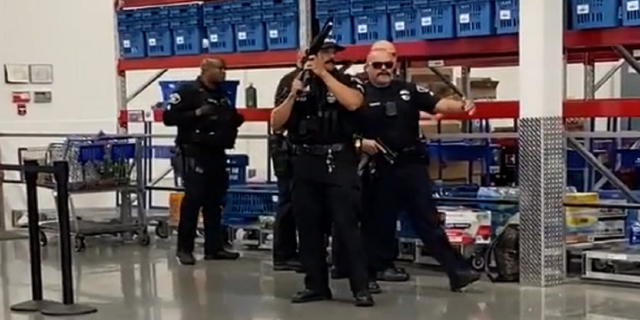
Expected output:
(202, 141)
(326, 187)
(392, 115)
(285, 240)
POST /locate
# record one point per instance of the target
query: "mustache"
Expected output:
(384, 73)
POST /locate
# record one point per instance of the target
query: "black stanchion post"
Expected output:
(36, 303)
(68, 306)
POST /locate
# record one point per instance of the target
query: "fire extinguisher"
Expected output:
(251, 97)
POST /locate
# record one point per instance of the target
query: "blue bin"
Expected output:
(369, 28)
(187, 41)
(324, 12)
(405, 26)
(185, 11)
(218, 8)
(437, 21)
(399, 6)
(220, 39)
(630, 13)
(474, 18)
(282, 29)
(229, 87)
(155, 13)
(129, 16)
(279, 4)
(250, 36)
(595, 14)
(359, 7)
(507, 16)
(131, 42)
(342, 31)
(159, 43)
(246, 5)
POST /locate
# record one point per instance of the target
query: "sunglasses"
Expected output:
(379, 65)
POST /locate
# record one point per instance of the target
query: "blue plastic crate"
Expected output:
(279, 4)
(154, 25)
(245, 203)
(185, 11)
(187, 41)
(186, 22)
(250, 36)
(214, 21)
(282, 34)
(91, 152)
(230, 87)
(359, 7)
(370, 28)
(246, 5)
(155, 13)
(507, 16)
(342, 31)
(220, 39)
(595, 14)
(329, 11)
(630, 13)
(437, 21)
(474, 18)
(246, 17)
(216, 8)
(405, 26)
(132, 44)
(129, 16)
(123, 151)
(399, 6)
(159, 43)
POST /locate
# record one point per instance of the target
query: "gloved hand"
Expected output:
(206, 110)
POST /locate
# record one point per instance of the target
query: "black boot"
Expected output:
(307, 295)
(374, 287)
(392, 275)
(363, 299)
(185, 258)
(462, 279)
(222, 255)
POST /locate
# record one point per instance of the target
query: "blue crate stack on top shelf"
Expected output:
(370, 20)
(185, 22)
(474, 18)
(404, 22)
(155, 24)
(339, 12)
(507, 16)
(436, 19)
(216, 17)
(281, 23)
(130, 34)
(630, 13)
(595, 14)
(246, 16)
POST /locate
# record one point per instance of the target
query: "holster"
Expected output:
(280, 155)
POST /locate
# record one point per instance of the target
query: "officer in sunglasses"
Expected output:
(391, 118)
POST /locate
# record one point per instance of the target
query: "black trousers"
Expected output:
(285, 240)
(407, 188)
(320, 196)
(205, 186)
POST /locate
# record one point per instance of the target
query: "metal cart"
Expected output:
(100, 164)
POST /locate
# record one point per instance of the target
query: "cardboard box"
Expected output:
(581, 222)
(175, 200)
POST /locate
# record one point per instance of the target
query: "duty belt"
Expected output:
(319, 149)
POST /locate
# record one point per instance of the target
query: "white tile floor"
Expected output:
(130, 282)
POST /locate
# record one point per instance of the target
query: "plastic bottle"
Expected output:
(251, 97)
(634, 235)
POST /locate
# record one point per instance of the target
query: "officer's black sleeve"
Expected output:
(284, 87)
(180, 111)
(355, 83)
(423, 99)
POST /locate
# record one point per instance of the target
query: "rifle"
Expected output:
(314, 47)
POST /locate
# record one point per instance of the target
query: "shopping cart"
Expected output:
(99, 164)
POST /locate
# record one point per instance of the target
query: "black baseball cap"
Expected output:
(330, 43)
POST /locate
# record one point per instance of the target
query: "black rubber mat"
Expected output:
(13, 235)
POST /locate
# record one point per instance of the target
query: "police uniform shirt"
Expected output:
(318, 118)
(392, 113)
(284, 86)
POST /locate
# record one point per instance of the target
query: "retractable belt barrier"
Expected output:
(60, 170)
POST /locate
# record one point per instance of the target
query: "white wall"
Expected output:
(77, 37)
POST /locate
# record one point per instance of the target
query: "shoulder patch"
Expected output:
(175, 98)
(356, 80)
(422, 89)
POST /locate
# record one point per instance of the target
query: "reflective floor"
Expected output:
(129, 282)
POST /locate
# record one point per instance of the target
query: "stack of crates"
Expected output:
(597, 14)
(507, 16)
(281, 22)
(185, 22)
(474, 18)
(436, 19)
(246, 16)
(155, 24)
(216, 18)
(370, 20)
(131, 37)
(339, 12)
(404, 25)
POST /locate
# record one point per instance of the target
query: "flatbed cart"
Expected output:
(97, 165)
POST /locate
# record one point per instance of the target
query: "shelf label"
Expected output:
(362, 28)
(179, 40)
(425, 21)
(242, 35)
(151, 42)
(582, 9)
(273, 34)
(399, 26)
(464, 18)
(126, 44)
(633, 5)
(274, 198)
(505, 14)
(213, 37)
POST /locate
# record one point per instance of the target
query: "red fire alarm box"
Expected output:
(20, 97)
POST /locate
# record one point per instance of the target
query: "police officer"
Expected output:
(207, 125)
(392, 117)
(285, 240)
(320, 118)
